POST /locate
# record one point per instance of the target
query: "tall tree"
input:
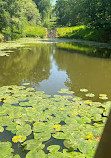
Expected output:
(44, 7)
(14, 14)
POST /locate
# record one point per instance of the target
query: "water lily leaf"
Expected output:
(18, 138)
(53, 148)
(16, 156)
(66, 91)
(30, 89)
(87, 147)
(90, 95)
(23, 130)
(62, 117)
(35, 154)
(24, 104)
(44, 136)
(67, 143)
(12, 127)
(26, 84)
(103, 97)
(84, 90)
(1, 129)
(77, 99)
(60, 135)
(6, 150)
(33, 144)
(56, 155)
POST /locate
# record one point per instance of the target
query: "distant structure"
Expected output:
(51, 33)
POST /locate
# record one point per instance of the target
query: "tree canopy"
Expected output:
(94, 13)
(16, 14)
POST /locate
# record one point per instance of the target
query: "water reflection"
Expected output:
(32, 64)
(50, 68)
(85, 72)
(90, 50)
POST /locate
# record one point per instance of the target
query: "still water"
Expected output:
(50, 67)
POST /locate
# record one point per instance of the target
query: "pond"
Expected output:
(68, 119)
(50, 67)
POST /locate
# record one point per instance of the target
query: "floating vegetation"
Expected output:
(25, 112)
(84, 90)
(66, 91)
(103, 96)
(90, 95)
(3, 53)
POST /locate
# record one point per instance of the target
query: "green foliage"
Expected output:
(19, 14)
(1, 37)
(68, 31)
(95, 14)
(5, 150)
(44, 7)
(34, 31)
(84, 32)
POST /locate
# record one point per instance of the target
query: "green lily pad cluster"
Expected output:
(26, 112)
(91, 95)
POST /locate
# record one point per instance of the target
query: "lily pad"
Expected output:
(16, 156)
(26, 84)
(53, 148)
(60, 135)
(1, 129)
(90, 95)
(6, 150)
(84, 90)
(33, 144)
(44, 136)
(103, 97)
(62, 117)
(23, 130)
(35, 154)
(66, 91)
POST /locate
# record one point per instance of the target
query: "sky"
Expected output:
(53, 2)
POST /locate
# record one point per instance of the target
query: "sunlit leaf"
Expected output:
(1, 129)
(26, 84)
(53, 148)
(6, 150)
(16, 156)
(23, 130)
(35, 154)
(33, 144)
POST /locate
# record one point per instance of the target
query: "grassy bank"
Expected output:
(28, 31)
(1, 37)
(82, 32)
(31, 31)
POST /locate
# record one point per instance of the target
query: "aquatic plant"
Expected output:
(76, 122)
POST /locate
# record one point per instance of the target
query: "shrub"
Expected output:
(33, 31)
(82, 32)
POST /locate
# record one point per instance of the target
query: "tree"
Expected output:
(44, 7)
(63, 12)
(15, 14)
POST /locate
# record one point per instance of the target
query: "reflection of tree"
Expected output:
(31, 64)
(85, 72)
(85, 49)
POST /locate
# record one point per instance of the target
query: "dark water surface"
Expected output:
(50, 67)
